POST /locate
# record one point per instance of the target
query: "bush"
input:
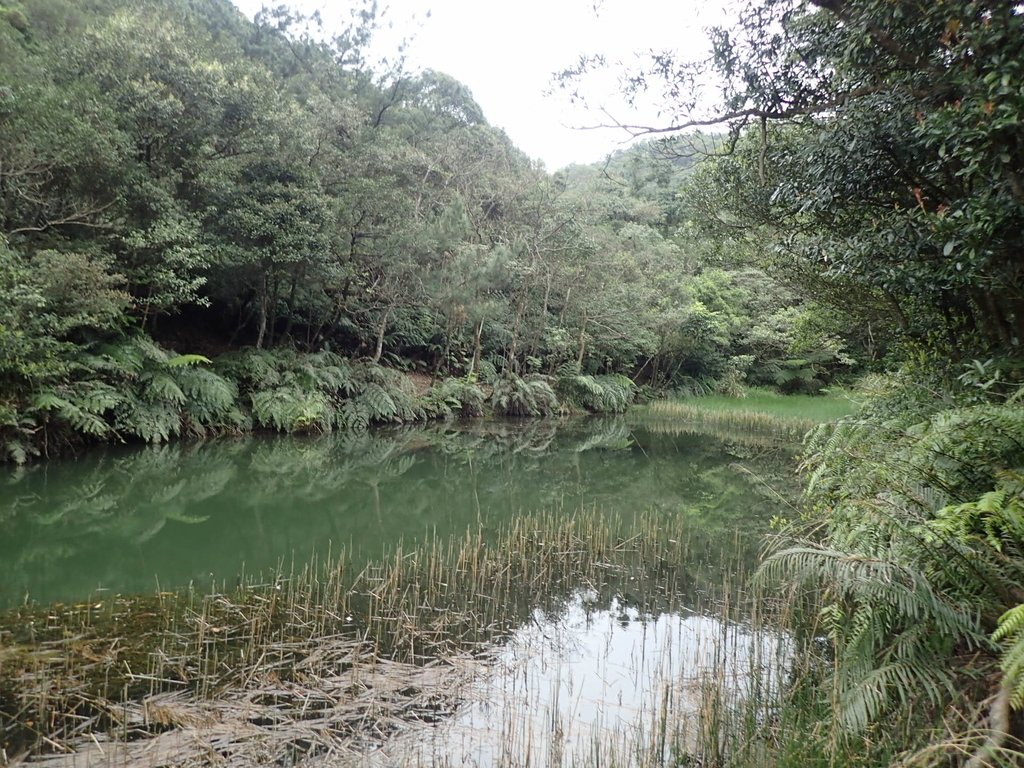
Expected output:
(455, 397)
(514, 396)
(597, 394)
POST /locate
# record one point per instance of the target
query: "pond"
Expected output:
(134, 520)
(489, 593)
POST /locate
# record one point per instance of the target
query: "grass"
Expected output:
(760, 410)
(327, 663)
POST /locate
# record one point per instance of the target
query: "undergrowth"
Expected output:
(909, 564)
(135, 390)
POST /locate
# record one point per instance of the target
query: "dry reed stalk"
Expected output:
(320, 661)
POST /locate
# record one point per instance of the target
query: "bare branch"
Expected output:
(788, 113)
(77, 218)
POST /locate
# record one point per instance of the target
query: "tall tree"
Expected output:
(885, 148)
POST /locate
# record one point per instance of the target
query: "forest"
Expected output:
(211, 226)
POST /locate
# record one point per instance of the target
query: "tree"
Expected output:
(883, 149)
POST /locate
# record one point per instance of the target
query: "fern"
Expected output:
(513, 396)
(378, 403)
(889, 624)
(455, 396)
(1011, 628)
(919, 555)
(134, 355)
(580, 391)
(207, 392)
(545, 401)
(16, 435)
(154, 422)
(76, 415)
(354, 415)
(160, 386)
(179, 361)
(211, 400)
(288, 409)
(488, 371)
(253, 368)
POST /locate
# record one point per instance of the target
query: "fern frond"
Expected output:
(79, 419)
(378, 403)
(180, 361)
(1011, 628)
(152, 421)
(159, 386)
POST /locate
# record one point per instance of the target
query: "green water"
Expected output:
(133, 520)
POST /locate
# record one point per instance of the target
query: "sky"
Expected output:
(506, 51)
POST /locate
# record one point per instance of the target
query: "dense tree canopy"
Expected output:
(877, 149)
(171, 171)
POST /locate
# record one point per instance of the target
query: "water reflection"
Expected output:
(135, 519)
(603, 685)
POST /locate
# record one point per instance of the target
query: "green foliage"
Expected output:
(888, 624)
(455, 397)
(173, 168)
(292, 392)
(598, 394)
(514, 396)
(1011, 628)
(173, 172)
(82, 407)
(917, 557)
(290, 409)
(993, 528)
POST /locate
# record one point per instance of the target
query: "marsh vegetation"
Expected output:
(605, 605)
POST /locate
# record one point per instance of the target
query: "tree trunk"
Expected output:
(291, 303)
(381, 328)
(477, 347)
(538, 337)
(582, 343)
(262, 315)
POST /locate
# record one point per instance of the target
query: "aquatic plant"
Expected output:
(789, 416)
(325, 661)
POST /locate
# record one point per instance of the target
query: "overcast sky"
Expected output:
(506, 52)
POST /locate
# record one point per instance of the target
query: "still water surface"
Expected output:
(132, 520)
(603, 672)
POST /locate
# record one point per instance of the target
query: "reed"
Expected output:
(759, 412)
(325, 662)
